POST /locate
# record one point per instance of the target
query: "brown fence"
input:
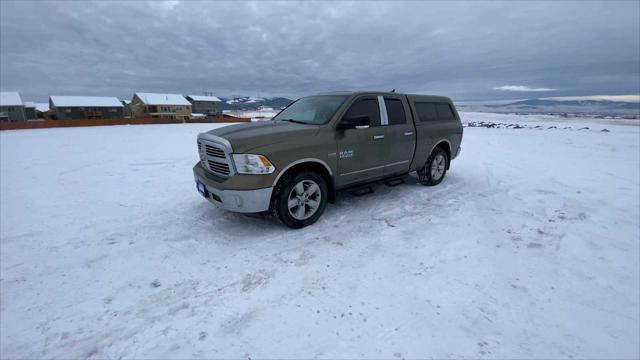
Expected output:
(41, 124)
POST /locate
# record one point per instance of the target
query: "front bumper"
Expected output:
(243, 201)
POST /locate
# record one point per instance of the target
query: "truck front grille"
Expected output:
(214, 151)
(214, 157)
(218, 167)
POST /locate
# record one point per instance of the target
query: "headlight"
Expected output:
(253, 164)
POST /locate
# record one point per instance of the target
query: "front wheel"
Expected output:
(435, 168)
(300, 199)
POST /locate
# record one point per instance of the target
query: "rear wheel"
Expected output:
(435, 168)
(300, 199)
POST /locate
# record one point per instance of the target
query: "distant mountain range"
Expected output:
(254, 103)
(556, 106)
(595, 107)
(602, 104)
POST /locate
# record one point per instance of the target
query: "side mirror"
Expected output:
(353, 122)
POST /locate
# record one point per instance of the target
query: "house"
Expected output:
(126, 108)
(162, 106)
(30, 110)
(42, 110)
(85, 107)
(11, 107)
(208, 105)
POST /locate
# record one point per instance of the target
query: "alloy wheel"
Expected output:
(437, 167)
(304, 199)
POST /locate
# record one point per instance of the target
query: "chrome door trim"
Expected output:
(408, 133)
(398, 163)
(375, 167)
(378, 137)
(384, 119)
(363, 170)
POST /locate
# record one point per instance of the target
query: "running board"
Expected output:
(362, 191)
(394, 182)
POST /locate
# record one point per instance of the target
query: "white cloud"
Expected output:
(165, 7)
(520, 88)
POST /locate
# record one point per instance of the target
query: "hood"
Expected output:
(246, 136)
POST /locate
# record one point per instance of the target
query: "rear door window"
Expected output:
(434, 111)
(368, 107)
(426, 111)
(444, 112)
(395, 112)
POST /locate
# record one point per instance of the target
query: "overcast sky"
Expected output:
(466, 50)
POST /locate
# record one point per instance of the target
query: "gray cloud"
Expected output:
(466, 50)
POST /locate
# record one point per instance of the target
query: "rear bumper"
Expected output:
(457, 152)
(243, 201)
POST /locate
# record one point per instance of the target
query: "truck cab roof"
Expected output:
(412, 97)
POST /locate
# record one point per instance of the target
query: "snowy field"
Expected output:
(528, 249)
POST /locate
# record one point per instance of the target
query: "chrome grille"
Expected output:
(215, 151)
(215, 157)
(218, 167)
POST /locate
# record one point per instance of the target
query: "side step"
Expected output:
(366, 188)
(394, 182)
(361, 191)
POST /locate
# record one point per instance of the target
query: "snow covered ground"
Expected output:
(528, 249)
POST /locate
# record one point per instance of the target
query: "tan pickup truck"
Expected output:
(293, 165)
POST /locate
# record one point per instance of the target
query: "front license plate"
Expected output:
(202, 189)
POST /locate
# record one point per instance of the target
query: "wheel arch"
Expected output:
(446, 146)
(312, 164)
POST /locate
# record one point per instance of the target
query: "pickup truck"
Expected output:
(294, 164)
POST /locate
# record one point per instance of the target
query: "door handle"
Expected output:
(408, 133)
(378, 137)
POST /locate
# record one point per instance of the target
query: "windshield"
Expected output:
(314, 110)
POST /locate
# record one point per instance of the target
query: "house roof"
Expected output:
(10, 99)
(203, 98)
(29, 104)
(85, 101)
(42, 107)
(162, 99)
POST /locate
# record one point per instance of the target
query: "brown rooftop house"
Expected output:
(160, 106)
(11, 107)
(85, 107)
(207, 105)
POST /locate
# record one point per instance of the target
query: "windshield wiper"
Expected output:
(295, 121)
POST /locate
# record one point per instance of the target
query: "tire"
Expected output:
(299, 199)
(435, 168)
